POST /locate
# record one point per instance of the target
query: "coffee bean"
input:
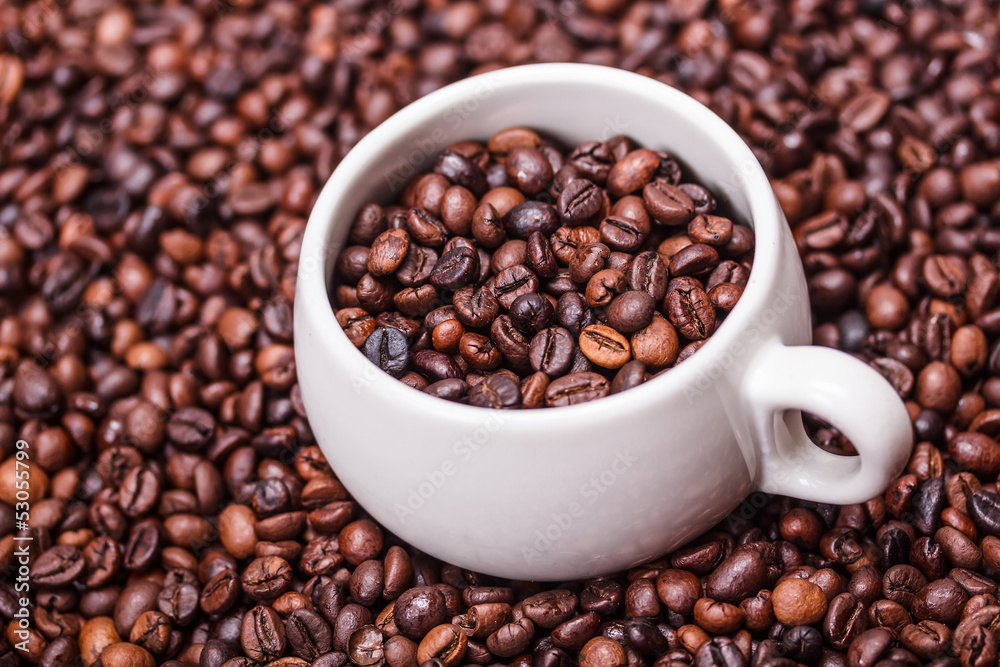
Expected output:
(360, 541)
(694, 259)
(308, 634)
(632, 172)
(798, 602)
(551, 351)
(604, 346)
(460, 170)
(576, 388)
(980, 453)
(588, 259)
(690, 310)
(631, 311)
(579, 202)
(418, 610)
(602, 652)
(266, 578)
(513, 282)
(457, 268)
(622, 234)
(940, 600)
(668, 204)
(531, 313)
(527, 169)
(497, 392)
(388, 251)
(263, 634)
(528, 217)
(387, 348)
(446, 643)
(511, 639)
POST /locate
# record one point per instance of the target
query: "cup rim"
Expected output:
(765, 217)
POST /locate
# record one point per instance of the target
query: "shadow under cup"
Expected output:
(668, 482)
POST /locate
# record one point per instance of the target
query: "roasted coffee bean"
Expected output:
(622, 234)
(497, 392)
(691, 311)
(513, 282)
(527, 169)
(576, 388)
(388, 348)
(588, 259)
(475, 307)
(531, 313)
(460, 170)
(388, 251)
(529, 217)
(668, 204)
(632, 374)
(631, 311)
(647, 273)
(418, 610)
(267, 578)
(263, 634)
(604, 286)
(579, 202)
(539, 256)
(551, 351)
(604, 346)
(308, 635)
(417, 267)
(456, 268)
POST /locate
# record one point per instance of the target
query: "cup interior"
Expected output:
(569, 103)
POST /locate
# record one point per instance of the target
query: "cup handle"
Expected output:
(848, 393)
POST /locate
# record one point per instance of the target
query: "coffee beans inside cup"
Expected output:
(520, 274)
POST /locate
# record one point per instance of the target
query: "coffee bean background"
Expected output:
(156, 168)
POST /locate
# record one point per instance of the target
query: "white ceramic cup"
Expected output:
(588, 489)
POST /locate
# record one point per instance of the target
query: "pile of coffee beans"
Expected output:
(519, 274)
(157, 162)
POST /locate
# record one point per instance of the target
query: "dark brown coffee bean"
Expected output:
(668, 204)
(460, 170)
(648, 273)
(527, 169)
(622, 234)
(263, 634)
(531, 312)
(513, 282)
(539, 257)
(632, 172)
(418, 610)
(631, 311)
(479, 351)
(528, 217)
(691, 311)
(576, 388)
(551, 351)
(497, 392)
(694, 259)
(579, 202)
(587, 261)
(604, 286)
(267, 578)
